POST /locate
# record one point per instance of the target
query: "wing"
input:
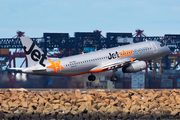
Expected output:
(111, 65)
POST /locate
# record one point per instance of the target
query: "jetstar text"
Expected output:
(120, 54)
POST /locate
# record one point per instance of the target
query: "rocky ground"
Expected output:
(102, 104)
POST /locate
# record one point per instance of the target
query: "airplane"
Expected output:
(131, 58)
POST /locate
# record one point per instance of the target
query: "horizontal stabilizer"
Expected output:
(39, 69)
(16, 69)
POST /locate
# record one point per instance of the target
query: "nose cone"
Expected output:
(167, 49)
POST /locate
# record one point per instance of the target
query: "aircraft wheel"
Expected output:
(113, 78)
(91, 78)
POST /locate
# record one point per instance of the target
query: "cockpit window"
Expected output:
(161, 44)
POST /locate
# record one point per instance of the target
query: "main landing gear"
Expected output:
(91, 77)
(113, 77)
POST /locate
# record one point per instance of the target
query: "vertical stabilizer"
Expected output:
(34, 54)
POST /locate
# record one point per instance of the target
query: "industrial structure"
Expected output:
(61, 45)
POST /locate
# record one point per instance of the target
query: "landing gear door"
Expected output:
(154, 47)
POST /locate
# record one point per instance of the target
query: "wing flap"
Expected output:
(116, 64)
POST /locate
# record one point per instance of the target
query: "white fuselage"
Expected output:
(86, 63)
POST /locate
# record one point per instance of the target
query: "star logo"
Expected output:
(55, 65)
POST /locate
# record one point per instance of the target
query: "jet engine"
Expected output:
(136, 66)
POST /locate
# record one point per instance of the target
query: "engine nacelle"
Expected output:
(136, 66)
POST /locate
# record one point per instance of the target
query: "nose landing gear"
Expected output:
(150, 64)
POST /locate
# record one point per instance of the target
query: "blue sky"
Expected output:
(34, 17)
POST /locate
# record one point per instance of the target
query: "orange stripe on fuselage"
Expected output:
(98, 70)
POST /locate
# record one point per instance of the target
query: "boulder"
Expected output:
(81, 100)
(1, 91)
(102, 109)
(33, 105)
(177, 98)
(101, 104)
(5, 106)
(81, 108)
(17, 111)
(125, 110)
(50, 98)
(62, 108)
(48, 105)
(177, 106)
(106, 101)
(65, 98)
(73, 112)
(28, 100)
(57, 96)
(78, 94)
(88, 97)
(24, 104)
(68, 106)
(161, 104)
(135, 97)
(46, 111)
(167, 102)
(42, 101)
(139, 113)
(102, 95)
(13, 98)
(56, 101)
(172, 98)
(40, 109)
(30, 111)
(156, 114)
(140, 102)
(167, 110)
(114, 103)
(143, 91)
(172, 105)
(124, 95)
(175, 90)
(22, 109)
(175, 112)
(134, 109)
(144, 108)
(13, 105)
(153, 105)
(34, 100)
(128, 102)
(56, 106)
(112, 110)
(161, 99)
(119, 109)
(7, 91)
(73, 101)
(174, 93)
(132, 92)
(69, 93)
